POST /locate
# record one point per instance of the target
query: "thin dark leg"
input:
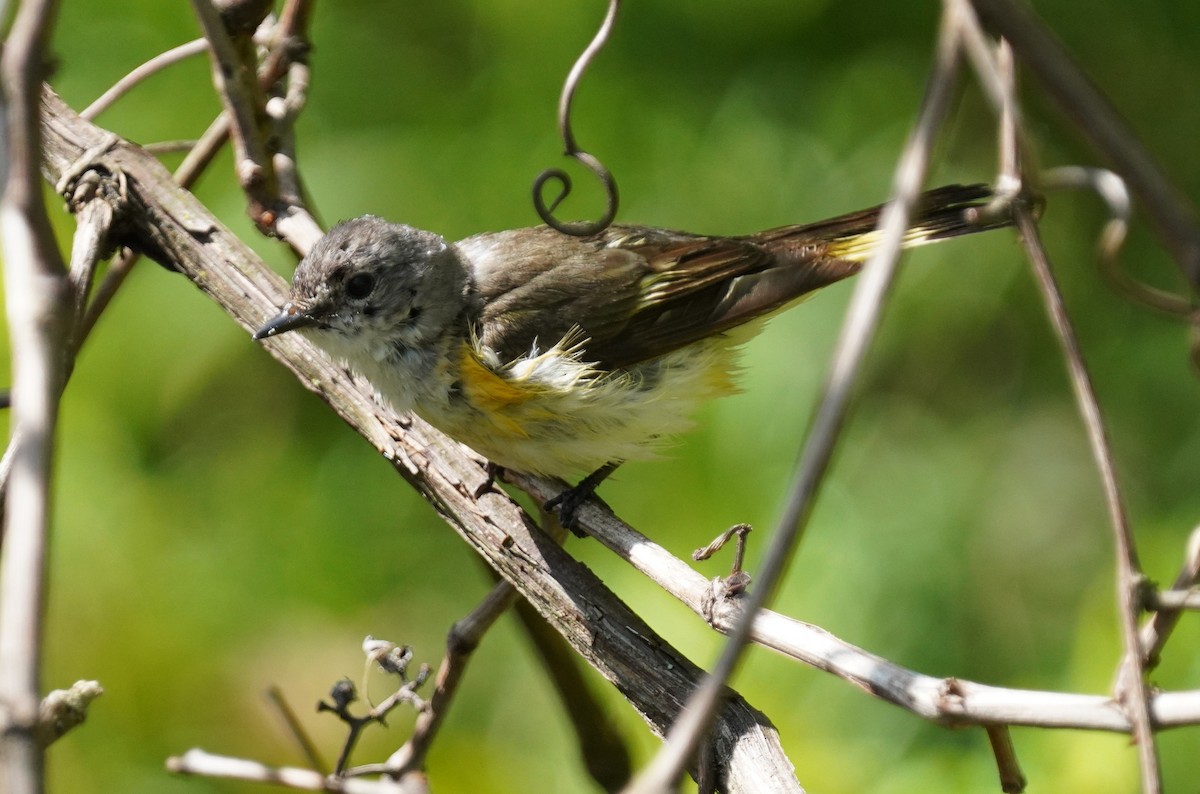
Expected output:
(569, 500)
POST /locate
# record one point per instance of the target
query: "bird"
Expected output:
(560, 355)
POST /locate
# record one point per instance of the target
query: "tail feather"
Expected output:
(940, 214)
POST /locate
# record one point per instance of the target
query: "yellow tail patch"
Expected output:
(860, 247)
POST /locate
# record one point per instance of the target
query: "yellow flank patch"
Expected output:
(491, 394)
(721, 380)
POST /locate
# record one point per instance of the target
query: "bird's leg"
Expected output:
(569, 500)
(493, 473)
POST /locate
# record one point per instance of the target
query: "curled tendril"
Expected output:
(1111, 188)
(571, 148)
(576, 228)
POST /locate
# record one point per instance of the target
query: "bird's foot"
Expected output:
(570, 500)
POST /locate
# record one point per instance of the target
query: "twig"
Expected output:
(1037, 49)
(1158, 628)
(288, 715)
(1130, 581)
(38, 306)
(392, 659)
(927, 697)
(199, 762)
(292, 20)
(463, 638)
(1111, 189)
(158, 148)
(202, 154)
(276, 209)
(1009, 182)
(235, 79)
(290, 53)
(1131, 684)
(114, 277)
(297, 226)
(738, 579)
(64, 709)
(1174, 600)
(97, 200)
(862, 318)
(150, 67)
(1012, 779)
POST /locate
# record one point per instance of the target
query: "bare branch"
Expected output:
(153, 66)
(64, 709)
(1012, 779)
(235, 79)
(303, 741)
(38, 318)
(461, 642)
(1038, 50)
(1158, 629)
(1130, 581)
(274, 207)
(946, 701)
(199, 762)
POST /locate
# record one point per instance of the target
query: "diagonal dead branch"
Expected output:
(172, 225)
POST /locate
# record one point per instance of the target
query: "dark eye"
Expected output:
(360, 285)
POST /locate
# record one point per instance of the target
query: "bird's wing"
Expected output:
(633, 293)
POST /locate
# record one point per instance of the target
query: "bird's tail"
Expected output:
(940, 214)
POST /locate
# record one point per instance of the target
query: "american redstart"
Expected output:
(554, 354)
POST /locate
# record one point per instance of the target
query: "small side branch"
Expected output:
(145, 70)
(463, 639)
(1130, 581)
(1038, 50)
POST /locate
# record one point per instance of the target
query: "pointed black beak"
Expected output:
(291, 318)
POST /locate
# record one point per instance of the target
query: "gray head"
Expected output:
(369, 283)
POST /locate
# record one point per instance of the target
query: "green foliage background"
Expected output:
(218, 530)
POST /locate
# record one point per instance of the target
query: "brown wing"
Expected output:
(635, 293)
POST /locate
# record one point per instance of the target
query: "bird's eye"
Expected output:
(360, 285)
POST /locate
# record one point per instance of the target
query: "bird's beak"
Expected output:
(291, 318)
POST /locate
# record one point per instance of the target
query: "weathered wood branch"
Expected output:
(170, 225)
